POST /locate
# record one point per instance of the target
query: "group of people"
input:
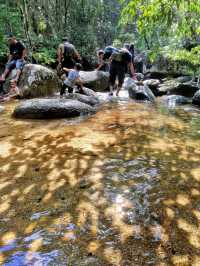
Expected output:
(117, 61)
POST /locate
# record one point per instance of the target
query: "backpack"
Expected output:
(122, 56)
(126, 56)
(108, 51)
(117, 56)
(68, 50)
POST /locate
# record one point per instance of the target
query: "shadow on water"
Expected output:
(120, 188)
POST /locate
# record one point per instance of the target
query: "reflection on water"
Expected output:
(118, 188)
(34, 258)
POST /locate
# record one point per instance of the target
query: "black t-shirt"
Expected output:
(16, 50)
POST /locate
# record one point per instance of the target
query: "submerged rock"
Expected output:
(96, 80)
(35, 81)
(89, 261)
(196, 98)
(52, 108)
(174, 100)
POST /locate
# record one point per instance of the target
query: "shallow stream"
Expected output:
(119, 188)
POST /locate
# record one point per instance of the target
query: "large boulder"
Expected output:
(196, 98)
(141, 93)
(35, 81)
(96, 80)
(52, 108)
(174, 86)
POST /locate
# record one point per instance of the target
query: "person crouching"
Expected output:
(72, 79)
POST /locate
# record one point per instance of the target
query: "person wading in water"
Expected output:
(120, 62)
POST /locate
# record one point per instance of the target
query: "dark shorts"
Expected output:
(68, 62)
(18, 64)
(104, 67)
(117, 70)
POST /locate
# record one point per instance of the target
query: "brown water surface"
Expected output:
(119, 188)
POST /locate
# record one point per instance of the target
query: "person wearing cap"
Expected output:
(15, 60)
(67, 54)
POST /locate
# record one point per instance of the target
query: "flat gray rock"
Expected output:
(51, 109)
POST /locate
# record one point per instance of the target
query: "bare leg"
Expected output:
(111, 90)
(4, 75)
(118, 89)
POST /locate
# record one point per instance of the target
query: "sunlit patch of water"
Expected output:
(118, 188)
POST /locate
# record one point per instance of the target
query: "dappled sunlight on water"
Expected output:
(118, 188)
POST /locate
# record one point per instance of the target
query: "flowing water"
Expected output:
(119, 188)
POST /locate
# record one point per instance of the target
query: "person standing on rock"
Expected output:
(16, 59)
(67, 55)
(120, 61)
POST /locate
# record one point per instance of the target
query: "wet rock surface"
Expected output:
(89, 92)
(51, 109)
(90, 100)
(153, 85)
(175, 100)
(196, 98)
(141, 93)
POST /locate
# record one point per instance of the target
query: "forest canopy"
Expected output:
(170, 27)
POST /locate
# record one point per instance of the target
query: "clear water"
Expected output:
(119, 188)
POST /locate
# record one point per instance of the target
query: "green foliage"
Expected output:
(189, 59)
(167, 18)
(163, 26)
(89, 25)
(45, 56)
(10, 22)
